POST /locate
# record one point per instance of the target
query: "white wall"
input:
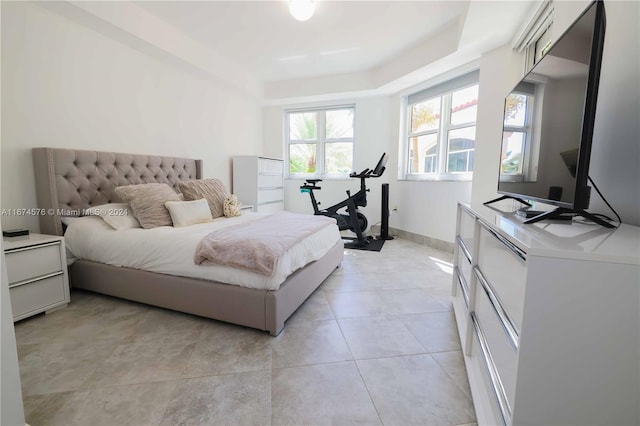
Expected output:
(615, 157)
(66, 85)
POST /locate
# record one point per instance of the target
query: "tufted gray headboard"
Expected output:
(70, 179)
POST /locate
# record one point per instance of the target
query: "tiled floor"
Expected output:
(375, 344)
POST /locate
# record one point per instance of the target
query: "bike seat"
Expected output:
(314, 181)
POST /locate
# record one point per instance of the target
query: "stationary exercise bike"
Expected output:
(353, 220)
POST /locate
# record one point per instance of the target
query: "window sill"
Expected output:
(463, 177)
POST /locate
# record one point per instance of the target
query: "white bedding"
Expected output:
(169, 250)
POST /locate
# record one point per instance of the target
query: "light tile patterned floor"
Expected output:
(375, 344)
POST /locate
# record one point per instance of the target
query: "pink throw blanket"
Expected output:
(256, 246)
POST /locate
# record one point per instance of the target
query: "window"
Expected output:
(441, 129)
(320, 141)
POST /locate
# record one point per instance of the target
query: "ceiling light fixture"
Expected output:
(301, 10)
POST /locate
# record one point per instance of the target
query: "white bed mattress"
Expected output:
(169, 250)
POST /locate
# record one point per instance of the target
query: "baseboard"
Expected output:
(416, 238)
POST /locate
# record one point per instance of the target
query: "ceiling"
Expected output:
(341, 37)
(352, 48)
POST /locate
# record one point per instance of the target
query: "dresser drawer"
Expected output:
(269, 166)
(504, 267)
(467, 227)
(269, 181)
(491, 405)
(463, 262)
(31, 262)
(500, 339)
(271, 207)
(270, 195)
(38, 295)
(462, 286)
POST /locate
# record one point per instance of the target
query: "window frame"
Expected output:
(445, 126)
(320, 141)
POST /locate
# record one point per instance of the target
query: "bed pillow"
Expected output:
(117, 215)
(147, 202)
(231, 206)
(185, 213)
(211, 189)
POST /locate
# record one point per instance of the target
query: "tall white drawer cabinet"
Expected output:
(259, 181)
(37, 272)
(549, 319)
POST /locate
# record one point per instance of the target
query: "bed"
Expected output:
(76, 180)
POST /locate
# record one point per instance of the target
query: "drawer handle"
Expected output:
(269, 188)
(505, 320)
(32, 280)
(510, 246)
(464, 248)
(462, 283)
(33, 247)
(494, 377)
(270, 202)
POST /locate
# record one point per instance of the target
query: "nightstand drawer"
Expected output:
(32, 262)
(38, 295)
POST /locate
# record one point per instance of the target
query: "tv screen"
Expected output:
(549, 118)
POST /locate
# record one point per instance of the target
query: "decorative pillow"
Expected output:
(147, 202)
(231, 206)
(211, 189)
(185, 213)
(117, 215)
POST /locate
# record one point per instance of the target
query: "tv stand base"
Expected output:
(561, 211)
(506, 197)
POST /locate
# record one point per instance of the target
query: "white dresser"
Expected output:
(549, 319)
(37, 272)
(258, 181)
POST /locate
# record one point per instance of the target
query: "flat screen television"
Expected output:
(548, 122)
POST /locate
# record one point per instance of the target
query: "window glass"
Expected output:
(339, 124)
(464, 105)
(303, 126)
(302, 158)
(513, 152)
(461, 149)
(427, 152)
(515, 110)
(339, 157)
(425, 115)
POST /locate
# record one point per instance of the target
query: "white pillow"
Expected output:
(117, 215)
(185, 213)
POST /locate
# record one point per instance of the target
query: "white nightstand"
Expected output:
(37, 271)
